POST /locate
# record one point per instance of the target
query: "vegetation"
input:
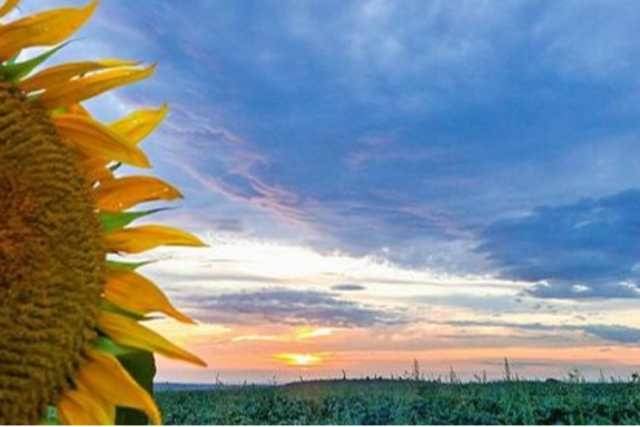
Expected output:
(408, 401)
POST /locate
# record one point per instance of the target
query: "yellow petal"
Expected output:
(103, 410)
(71, 413)
(139, 125)
(111, 408)
(123, 193)
(95, 170)
(146, 237)
(133, 292)
(61, 74)
(105, 377)
(8, 6)
(93, 138)
(81, 406)
(44, 29)
(78, 90)
(128, 332)
(79, 110)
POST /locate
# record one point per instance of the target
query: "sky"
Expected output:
(451, 182)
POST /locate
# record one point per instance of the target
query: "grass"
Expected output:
(385, 402)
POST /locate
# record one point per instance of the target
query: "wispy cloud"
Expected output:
(348, 287)
(289, 307)
(612, 333)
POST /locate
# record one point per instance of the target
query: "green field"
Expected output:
(407, 402)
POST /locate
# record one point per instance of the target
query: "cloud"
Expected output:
(599, 47)
(435, 38)
(587, 249)
(344, 118)
(292, 307)
(613, 333)
(348, 287)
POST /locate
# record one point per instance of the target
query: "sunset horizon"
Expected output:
(261, 344)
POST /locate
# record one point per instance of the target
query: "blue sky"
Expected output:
(397, 126)
(484, 141)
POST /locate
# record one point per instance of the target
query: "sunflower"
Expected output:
(67, 308)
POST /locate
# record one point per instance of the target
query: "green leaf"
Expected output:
(106, 345)
(51, 419)
(119, 220)
(15, 72)
(142, 368)
(112, 308)
(34, 97)
(12, 61)
(59, 110)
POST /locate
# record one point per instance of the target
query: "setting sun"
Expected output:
(295, 359)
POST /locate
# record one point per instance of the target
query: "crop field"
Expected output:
(407, 402)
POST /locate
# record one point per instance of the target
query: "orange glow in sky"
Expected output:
(296, 359)
(304, 333)
(274, 324)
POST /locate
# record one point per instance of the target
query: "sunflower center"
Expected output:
(15, 206)
(51, 262)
